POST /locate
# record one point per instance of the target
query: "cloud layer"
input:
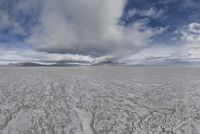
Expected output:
(95, 31)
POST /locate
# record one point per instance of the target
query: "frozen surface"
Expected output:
(100, 100)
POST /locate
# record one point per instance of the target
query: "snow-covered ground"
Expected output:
(100, 100)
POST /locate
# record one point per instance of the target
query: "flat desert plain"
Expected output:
(100, 100)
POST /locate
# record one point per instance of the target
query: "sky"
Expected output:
(129, 32)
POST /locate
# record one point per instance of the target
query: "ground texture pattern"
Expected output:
(100, 100)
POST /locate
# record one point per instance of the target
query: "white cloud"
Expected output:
(17, 56)
(15, 15)
(74, 30)
(88, 27)
(151, 12)
(7, 22)
(88, 31)
(152, 55)
(191, 33)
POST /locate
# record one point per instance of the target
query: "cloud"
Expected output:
(74, 30)
(6, 22)
(186, 52)
(190, 36)
(17, 16)
(18, 55)
(152, 55)
(88, 27)
(191, 33)
(151, 12)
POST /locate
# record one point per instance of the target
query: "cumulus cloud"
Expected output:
(88, 27)
(90, 31)
(74, 30)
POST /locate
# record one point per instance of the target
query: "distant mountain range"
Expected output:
(59, 64)
(104, 63)
(33, 64)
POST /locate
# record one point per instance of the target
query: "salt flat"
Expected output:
(100, 100)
